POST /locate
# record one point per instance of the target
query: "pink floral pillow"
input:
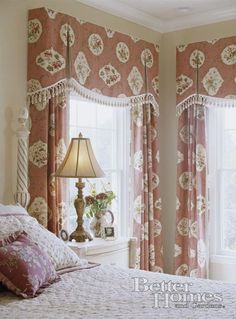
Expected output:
(24, 268)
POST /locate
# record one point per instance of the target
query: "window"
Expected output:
(222, 179)
(108, 130)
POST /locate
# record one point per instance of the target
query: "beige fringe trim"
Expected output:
(205, 101)
(65, 86)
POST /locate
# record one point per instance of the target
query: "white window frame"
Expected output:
(123, 213)
(218, 253)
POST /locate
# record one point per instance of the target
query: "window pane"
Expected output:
(73, 112)
(108, 133)
(105, 148)
(88, 133)
(86, 113)
(229, 115)
(222, 168)
(230, 148)
(74, 131)
(105, 118)
(229, 189)
(230, 230)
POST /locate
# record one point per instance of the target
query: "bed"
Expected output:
(108, 292)
(86, 290)
(102, 291)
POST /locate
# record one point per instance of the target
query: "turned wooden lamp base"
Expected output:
(80, 235)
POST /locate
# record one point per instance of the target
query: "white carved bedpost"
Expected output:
(22, 195)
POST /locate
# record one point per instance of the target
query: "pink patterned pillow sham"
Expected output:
(24, 268)
(15, 218)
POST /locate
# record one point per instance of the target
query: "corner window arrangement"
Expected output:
(130, 83)
(222, 180)
(109, 131)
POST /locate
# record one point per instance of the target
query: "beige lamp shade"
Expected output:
(80, 160)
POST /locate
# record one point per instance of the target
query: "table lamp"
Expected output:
(80, 162)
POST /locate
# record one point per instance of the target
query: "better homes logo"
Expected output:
(170, 294)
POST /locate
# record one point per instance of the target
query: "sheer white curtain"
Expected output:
(221, 142)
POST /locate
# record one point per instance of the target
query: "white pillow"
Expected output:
(61, 255)
(18, 219)
(17, 209)
(9, 225)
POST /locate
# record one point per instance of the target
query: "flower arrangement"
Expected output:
(98, 201)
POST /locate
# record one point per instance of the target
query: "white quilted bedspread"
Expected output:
(107, 292)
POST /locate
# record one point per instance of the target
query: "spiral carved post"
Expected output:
(22, 195)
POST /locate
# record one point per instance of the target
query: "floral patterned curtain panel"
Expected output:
(191, 256)
(94, 57)
(104, 66)
(47, 141)
(46, 151)
(147, 200)
(203, 69)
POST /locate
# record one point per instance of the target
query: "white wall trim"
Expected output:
(126, 12)
(147, 20)
(195, 20)
(223, 259)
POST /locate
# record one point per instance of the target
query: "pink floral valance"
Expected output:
(96, 58)
(216, 64)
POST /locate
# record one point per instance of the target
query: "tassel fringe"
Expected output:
(66, 86)
(205, 101)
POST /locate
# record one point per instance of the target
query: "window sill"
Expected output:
(223, 259)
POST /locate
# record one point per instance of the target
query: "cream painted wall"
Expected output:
(169, 129)
(13, 57)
